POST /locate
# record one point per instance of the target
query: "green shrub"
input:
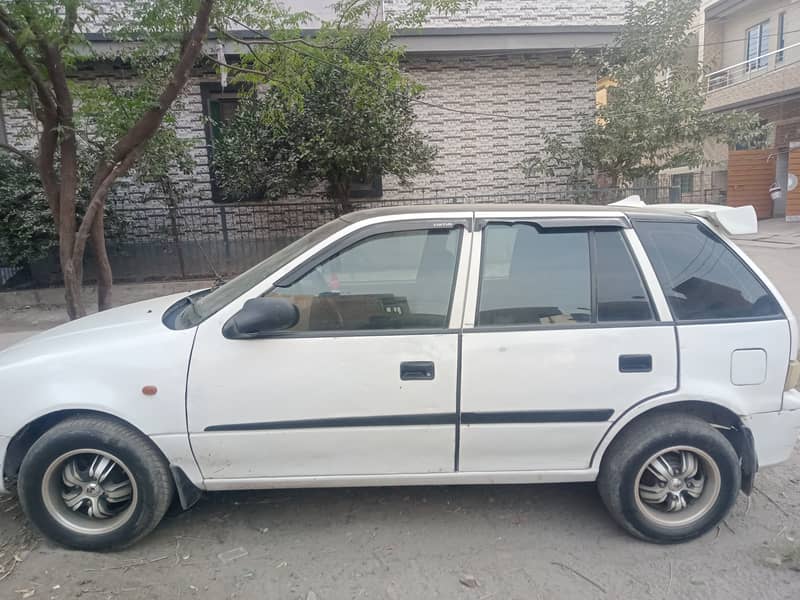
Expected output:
(26, 226)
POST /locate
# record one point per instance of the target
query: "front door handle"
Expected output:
(635, 363)
(417, 371)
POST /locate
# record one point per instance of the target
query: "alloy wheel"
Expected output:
(89, 491)
(677, 486)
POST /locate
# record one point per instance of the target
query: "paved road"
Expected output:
(515, 542)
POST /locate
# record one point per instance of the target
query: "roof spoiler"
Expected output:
(733, 220)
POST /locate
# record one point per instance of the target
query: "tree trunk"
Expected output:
(97, 237)
(340, 194)
(72, 277)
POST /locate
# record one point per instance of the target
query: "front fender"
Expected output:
(101, 364)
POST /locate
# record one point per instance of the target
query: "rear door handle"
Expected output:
(635, 363)
(417, 371)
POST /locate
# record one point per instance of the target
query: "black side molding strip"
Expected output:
(533, 416)
(376, 421)
(537, 416)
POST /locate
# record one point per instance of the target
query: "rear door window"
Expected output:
(530, 277)
(621, 294)
(702, 277)
(558, 277)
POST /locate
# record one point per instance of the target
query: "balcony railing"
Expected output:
(752, 68)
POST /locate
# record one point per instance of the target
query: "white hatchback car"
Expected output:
(631, 345)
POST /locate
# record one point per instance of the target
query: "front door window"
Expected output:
(397, 280)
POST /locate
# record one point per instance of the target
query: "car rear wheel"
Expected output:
(669, 478)
(92, 483)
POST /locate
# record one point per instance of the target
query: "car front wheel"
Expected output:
(92, 483)
(669, 478)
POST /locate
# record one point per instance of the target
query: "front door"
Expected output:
(365, 383)
(565, 338)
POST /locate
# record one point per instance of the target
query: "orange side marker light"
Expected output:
(149, 390)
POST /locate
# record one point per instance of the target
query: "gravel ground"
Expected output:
(472, 542)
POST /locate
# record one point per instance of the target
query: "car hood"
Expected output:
(133, 320)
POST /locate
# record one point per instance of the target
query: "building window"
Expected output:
(757, 46)
(367, 188)
(684, 181)
(781, 40)
(219, 107)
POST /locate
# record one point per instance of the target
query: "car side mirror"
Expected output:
(261, 317)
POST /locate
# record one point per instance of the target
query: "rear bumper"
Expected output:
(775, 433)
(4, 440)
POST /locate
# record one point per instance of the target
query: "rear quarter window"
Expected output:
(702, 278)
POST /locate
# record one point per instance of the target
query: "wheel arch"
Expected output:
(721, 417)
(21, 442)
(23, 439)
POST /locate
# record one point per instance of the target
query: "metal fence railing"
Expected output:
(758, 65)
(6, 273)
(205, 240)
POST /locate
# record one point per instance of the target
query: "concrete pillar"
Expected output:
(782, 179)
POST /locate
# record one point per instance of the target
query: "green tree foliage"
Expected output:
(654, 117)
(333, 109)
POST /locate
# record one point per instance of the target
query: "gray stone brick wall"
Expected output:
(506, 13)
(20, 127)
(519, 96)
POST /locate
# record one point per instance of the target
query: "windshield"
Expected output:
(200, 309)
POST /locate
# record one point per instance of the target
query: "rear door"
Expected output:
(563, 338)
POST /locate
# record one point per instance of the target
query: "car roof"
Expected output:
(589, 209)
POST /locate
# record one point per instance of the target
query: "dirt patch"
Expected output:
(471, 542)
(17, 540)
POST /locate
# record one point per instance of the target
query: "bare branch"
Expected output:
(234, 67)
(247, 45)
(95, 144)
(266, 39)
(20, 153)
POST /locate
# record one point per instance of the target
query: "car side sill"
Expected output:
(460, 478)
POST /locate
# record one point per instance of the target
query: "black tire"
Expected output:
(630, 453)
(140, 462)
